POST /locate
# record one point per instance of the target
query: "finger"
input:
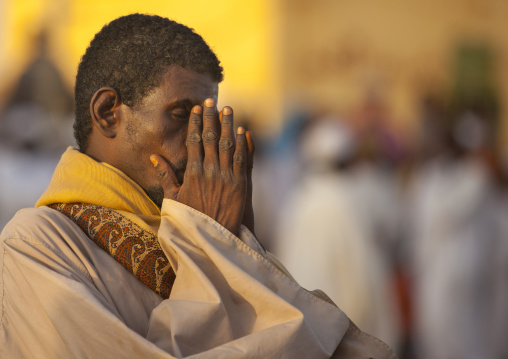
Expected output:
(240, 156)
(227, 140)
(248, 214)
(251, 149)
(210, 133)
(166, 175)
(194, 141)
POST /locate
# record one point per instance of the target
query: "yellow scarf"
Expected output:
(78, 178)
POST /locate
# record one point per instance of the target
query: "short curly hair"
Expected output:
(130, 54)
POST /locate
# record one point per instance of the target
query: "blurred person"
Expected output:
(35, 127)
(380, 151)
(458, 238)
(277, 173)
(143, 245)
(328, 240)
(38, 112)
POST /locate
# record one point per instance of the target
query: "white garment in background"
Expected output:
(23, 178)
(325, 245)
(459, 244)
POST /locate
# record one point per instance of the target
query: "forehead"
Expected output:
(181, 84)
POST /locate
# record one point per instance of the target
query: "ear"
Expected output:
(104, 109)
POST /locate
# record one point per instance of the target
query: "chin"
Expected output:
(179, 169)
(156, 194)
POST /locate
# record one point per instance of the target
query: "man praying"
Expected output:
(143, 244)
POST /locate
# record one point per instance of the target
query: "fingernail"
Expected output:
(154, 161)
(240, 131)
(226, 110)
(197, 109)
(209, 102)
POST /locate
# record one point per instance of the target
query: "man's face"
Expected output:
(158, 125)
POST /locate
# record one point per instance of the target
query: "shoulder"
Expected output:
(37, 225)
(47, 236)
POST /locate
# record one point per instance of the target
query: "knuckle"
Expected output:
(225, 144)
(227, 120)
(193, 138)
(239, 184)
(210, 170)
(209, 136)
(240, 157)
(195, 120)
(195, 168)
(207, 116)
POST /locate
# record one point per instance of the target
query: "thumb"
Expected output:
(166, 176)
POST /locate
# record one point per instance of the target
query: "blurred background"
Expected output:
(380, 127)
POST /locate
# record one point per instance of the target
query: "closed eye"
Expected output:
(180, 110)
(180, 114)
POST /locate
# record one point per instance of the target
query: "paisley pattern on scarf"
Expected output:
(135, 249)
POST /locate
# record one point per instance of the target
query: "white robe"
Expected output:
(459, 257)
(61, 296)
(325, 245)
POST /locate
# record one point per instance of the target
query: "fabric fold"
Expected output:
(226, 284)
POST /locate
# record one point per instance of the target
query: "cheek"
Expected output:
(174, 144)
(181, 143)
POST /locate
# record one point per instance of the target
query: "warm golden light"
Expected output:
(241, 33)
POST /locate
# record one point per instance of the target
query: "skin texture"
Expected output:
(198, 160)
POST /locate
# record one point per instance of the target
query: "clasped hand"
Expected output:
(218, 177)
